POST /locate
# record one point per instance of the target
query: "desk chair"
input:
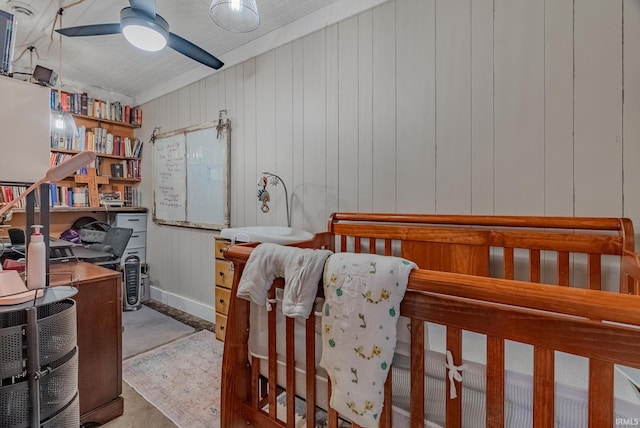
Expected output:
(16, 236)
(114, 243)
(17, 240)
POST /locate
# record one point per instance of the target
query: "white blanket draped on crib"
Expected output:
(362, 305)
(301, 269)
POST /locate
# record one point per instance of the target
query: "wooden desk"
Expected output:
(99, 318)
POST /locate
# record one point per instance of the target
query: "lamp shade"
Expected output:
(240, 16)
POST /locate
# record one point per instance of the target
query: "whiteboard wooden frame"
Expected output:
(226, 178)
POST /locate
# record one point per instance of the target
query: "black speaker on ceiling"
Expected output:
(45, 76)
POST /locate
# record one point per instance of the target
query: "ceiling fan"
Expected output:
(143, 28)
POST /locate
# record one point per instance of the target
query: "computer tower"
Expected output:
(132, 283)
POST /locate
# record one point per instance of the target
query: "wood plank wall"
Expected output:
(446, 106)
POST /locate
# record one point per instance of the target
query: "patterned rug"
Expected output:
(181, 378)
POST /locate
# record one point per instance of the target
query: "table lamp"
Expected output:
(12, 288)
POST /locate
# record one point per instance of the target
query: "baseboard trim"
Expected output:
(184, 304)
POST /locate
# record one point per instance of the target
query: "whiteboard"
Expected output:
(191, 178)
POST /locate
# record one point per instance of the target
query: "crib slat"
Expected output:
(454, 405)
(357, 245)
(387, 247)
(273, 363)
(291, 370)
(534, 266)
(495, 382)
(332, 416)
(372, 245)
(508, 263)
(417, 370)
(600, 393)
(343, 243)
(310, 370)
(563, 268)
(543, 384)
(595, 271)
(255, 382)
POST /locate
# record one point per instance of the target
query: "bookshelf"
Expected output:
(116, 173)
(29, 121)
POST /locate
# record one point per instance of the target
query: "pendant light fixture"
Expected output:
(240, 16)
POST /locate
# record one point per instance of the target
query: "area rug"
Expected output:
(146, 329)
(181, 378)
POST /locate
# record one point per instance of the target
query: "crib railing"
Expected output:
(557, 319)
(597, 325)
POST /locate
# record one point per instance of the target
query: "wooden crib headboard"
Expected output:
(474, 245)
(515, 254)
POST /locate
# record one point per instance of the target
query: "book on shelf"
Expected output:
(80, 197)
(82, 103)
(98, 140)
(68, 196)
(9, 193)
(57, 158)
(137, 150)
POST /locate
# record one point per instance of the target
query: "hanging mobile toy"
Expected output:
(263, 195)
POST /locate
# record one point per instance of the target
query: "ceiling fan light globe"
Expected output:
(143, 31)
(144, 38)
(240, 16)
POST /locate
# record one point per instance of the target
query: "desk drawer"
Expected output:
(137, 222)
(221, 326)
(223, 298)
(224, 273)
(220, 245)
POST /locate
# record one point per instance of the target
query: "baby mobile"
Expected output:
(263, 194)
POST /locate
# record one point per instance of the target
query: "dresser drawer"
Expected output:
(223, 298)
(221, 244)
(221, 326)
(137, 240)
(137, 222)
(224, 273)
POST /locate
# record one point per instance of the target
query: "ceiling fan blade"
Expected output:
(146, 6)
(90, 30)
(187, 48)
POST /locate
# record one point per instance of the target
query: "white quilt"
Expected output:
(362, 305)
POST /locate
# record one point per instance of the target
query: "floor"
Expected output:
(137, 411)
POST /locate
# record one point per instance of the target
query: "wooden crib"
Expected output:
(484, 274)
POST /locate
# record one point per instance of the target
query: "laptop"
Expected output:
(91, 256)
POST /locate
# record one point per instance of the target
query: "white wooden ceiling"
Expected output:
(109, 62)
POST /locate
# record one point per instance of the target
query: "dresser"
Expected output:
(223, 283)
(137, 245)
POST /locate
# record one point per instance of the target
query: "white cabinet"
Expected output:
(137, 245)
